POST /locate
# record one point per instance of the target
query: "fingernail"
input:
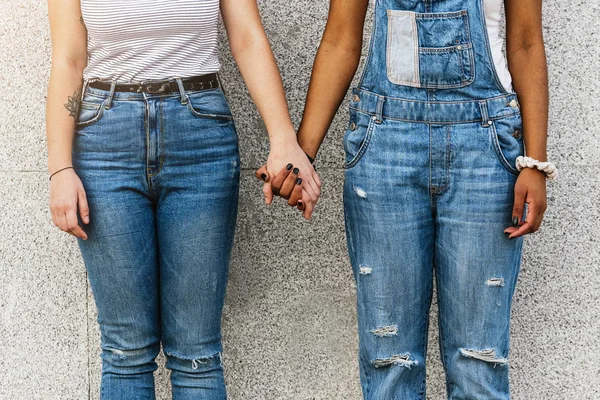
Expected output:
(515, 221)
(289, 166)
(300, 203)
(295, 171)
(299, 181)
(264, 177)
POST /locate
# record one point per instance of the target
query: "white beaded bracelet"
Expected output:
(546, 167)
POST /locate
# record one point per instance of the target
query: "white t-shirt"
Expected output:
(493, 17)
(144, 40)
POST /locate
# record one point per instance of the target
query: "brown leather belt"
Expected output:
(194, 83)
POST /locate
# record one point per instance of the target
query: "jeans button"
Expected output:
(517, 134)
(352, 126)
(513, 103)
(355, 98)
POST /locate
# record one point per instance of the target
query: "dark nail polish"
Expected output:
(264, 177)
(299, 181)
(295, 171)
(289, 166)
(300, 203)
(515, 221)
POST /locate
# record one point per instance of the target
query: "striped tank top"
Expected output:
(145, 40)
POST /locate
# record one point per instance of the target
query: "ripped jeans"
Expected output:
(429, 200)
(161, 175)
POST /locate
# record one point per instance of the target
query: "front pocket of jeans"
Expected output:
(89, 113)
(357, 138)
(209, 104)
(429, 50)
(507, 141)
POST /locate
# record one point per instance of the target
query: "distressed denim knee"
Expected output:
(130, 361)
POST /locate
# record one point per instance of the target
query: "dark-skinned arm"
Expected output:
(527, 64)
(335, 65)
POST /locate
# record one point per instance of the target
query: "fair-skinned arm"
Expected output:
(334, 67)
(527, 64)
(252, 52)
(69, 58)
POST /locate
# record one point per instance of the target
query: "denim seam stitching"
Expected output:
(96, 118)
(507, 95)
(503, 161)
(363, 148)
(498, 117)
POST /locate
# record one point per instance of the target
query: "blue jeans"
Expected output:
(424, 201)
(161, 175)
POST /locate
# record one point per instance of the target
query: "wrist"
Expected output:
(56, 172)
(283, 138)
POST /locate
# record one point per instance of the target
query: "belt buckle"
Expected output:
(140, 87)
(155, 87)
(152, 87)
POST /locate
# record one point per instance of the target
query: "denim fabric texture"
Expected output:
(430, 174)
(161, 175)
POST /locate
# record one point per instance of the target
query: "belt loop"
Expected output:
(84, 88)
(485, 118)
(184, 99)
(379, 111)
(111, 94)
(220, 83)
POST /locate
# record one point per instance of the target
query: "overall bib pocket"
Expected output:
(429, 50)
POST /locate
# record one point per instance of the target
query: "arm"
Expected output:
(252, 53)
(527, 64)
(335, 65)
(69, 58)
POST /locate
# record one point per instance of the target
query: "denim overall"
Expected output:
(430, 172)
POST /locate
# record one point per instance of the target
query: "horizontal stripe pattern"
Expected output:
(145, 40)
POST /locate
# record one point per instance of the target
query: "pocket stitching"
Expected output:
(499, 154)
(468, 48)
(203, 115)
(363, 147)
(93, 120)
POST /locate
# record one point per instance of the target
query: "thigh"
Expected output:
(477, 265)
(196, 217)
(121, 260)
(120, 254)
(389, 229)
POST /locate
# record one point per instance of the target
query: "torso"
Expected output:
(145, 40)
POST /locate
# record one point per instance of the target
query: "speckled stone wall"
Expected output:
(290, 323)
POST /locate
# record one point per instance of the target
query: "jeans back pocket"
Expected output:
(429, 50)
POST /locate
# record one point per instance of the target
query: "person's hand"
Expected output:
(530, 188)
(287, 185)
(67, 198)
(280, 157)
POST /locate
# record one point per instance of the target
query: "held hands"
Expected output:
(290, 175)
(530, 188)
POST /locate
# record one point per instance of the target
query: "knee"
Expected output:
(200, 364)
(478, 373)
(130, 360)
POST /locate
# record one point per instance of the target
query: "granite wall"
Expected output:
(289, 322)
